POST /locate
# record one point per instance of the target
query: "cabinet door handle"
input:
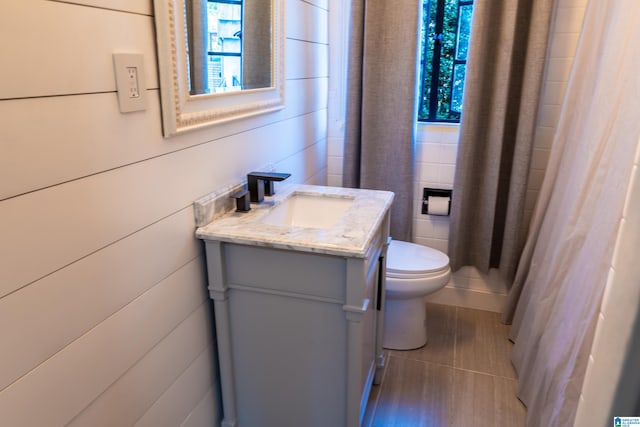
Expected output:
(380, 278)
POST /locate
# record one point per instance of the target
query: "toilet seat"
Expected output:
(411, 261)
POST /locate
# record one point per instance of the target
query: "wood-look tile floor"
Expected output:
(462, 377)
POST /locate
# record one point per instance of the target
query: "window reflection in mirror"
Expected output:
(229, 45)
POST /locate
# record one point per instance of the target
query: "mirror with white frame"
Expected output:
(219, 60)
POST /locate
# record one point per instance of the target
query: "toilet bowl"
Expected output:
(413, 271)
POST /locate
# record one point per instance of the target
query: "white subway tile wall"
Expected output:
(436, 150)
(618, 310)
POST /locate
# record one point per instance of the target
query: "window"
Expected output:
(445, 33)
(225, 45)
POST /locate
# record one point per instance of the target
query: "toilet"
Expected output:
(413, 271)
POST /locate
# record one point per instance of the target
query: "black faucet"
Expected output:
(260, 184)
(242, 200)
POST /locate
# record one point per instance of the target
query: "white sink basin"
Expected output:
(308, 210)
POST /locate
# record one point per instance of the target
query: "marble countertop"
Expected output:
(350, 236)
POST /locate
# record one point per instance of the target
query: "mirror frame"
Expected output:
(181, 111)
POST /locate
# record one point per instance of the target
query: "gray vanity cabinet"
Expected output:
(298, 333)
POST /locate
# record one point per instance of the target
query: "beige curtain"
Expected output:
(198, 38)
(502, 89)
(568, 254)
(381, 103)
(256, 45)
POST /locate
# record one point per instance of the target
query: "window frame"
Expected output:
(435, 65)
(221, 54)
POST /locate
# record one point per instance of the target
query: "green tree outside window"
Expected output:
(445, 34)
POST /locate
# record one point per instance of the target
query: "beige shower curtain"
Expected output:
(567, 257)
(502, 88)
(198, 37)
(381, 103)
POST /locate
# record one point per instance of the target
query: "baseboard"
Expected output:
(469, 298)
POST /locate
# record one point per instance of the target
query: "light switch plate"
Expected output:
(129, 72)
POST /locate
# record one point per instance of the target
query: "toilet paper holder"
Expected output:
(434, 192)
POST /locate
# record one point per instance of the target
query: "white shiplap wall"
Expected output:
(104, 314)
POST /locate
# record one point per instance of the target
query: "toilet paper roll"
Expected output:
(438, 205)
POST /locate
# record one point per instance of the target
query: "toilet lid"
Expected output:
(411, 258)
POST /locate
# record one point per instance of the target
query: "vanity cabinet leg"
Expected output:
(224, 357)
(219, 294)
(380, 303)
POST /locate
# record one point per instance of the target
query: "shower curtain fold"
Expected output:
(381, 103)
(502, 88)
(557, 292)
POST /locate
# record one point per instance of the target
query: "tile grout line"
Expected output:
(431, 362)
(455, 336)
(485, 373)
(452, 405)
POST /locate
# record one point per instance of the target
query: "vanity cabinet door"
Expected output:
(368, 364)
